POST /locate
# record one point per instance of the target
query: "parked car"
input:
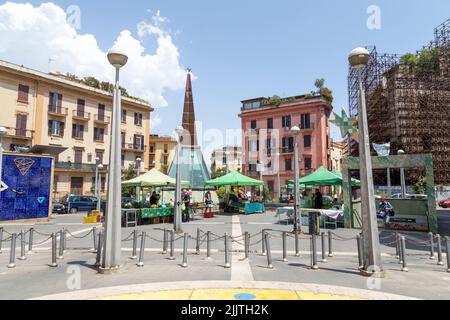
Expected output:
(58, 207)
(410, 196)
(445, 204)
(75, 203)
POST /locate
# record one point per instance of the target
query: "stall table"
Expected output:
(250, 208)
(156, 213)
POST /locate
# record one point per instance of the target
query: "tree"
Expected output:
(323, 91)
(91, 82)
(129, 174)
(421, 186)
(320, 83)
(219, 173)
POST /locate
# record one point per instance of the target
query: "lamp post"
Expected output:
(402, 176)
(138, 169)
(177, 216)
(296, 132)
(97, 160)
(113, 236)
(3, 132)
(261, 187)
(358, 58)
(278, 176)
(99, 186)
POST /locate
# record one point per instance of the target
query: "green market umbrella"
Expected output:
(355, 182)
(321, 177)
(153, 178)
(234, 179)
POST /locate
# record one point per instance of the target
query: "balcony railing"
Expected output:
(133, 147)
(19, 133)
(287, 150)
(78, 166)
(81, 115)
(98, 118)
(58, 111)
(311, 126)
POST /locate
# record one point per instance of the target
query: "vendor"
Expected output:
(154, 199)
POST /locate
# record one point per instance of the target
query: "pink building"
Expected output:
(268, 143)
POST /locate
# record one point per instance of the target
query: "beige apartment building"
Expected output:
(229, 158)
(162, 152)
(339, 151)
(49, 114)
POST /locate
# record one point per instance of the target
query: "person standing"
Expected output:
(208, 204)
(318, 200)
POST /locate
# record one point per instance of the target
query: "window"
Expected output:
(306, 121)
(253, 145)
(165, 160)
(288, 144)
(80, 107)
(99, 134)
(252, 167)
(308, 163)
(77, 131)
(269, 146)
(23, 93)
(55, 102)
(55, 128)
(122, 159)
(152, 148)
(287, 122)
(101, 112)
(124, 116)
(270, 124)
(271, 186)
(224, 159)
(123, 137)
(307, 141)
(99, 155)
(21, 125)
(288, 164)
(138, 119)
(152, 160)
(78, 156)
(166, 148)
(254, 124)
(138, 142)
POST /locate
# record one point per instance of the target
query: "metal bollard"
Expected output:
(432, 255)
(99, 249)
(197, 244)
(447, 245)
(22, 246)
(208, 245)
(439, 248)
(172, 245)
(135, 240)
(403, 253)
(285, 247)
(142, 250)
(94, 236)
(360, 253)
(400, 256)
(297, 245)
(185, 249)
(1, 239)
(247, 245)
(30, 241)
(324, 249)
(269, 253)
(165, 240)
(263, 243)
(12, 256)
(54, 263)
(61, 246)
(397, 246)
(330, 244)
(227, 261)
(314, 265)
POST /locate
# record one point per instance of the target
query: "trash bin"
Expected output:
(314, 223)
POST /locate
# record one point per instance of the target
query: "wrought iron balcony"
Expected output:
(102, 119)
(58, 111)
(133, 147)
(81, 115)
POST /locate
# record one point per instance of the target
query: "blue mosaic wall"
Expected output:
(29, 185)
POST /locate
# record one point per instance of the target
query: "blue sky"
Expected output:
(241, 49)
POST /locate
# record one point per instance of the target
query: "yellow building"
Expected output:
(161, 152)
(49, 114)
(338, 151)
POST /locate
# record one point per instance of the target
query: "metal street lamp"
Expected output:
(296, 132)
(97, 160)
(177, 216)
(98, 183)
(402, 176)
(358, 58)
(138, 169)
(112, 246)
(278, 176)
(3, 132)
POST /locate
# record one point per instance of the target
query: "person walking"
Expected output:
(208, 205)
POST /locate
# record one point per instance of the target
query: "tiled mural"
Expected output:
(26, 186)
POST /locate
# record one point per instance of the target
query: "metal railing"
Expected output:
(102, 118)
(133, 147)
(77, 166)
(19, 133)
(55, 110)
(81, 115)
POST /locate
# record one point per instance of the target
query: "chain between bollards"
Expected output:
(439, 248)
(172, 245)
(447, 245)
(30, 241)
(54, 263)
(285, 247)
(227, 261)
(99, 249)
(135, 240)
(403, 253)
(140, 264)
(330, 244)
(432, 255)
(22, 246)
(269, 252)
(12, 255)
(314, 265)
(185, 249)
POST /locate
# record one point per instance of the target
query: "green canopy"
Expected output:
(234, 179)
(153, 178)
(355, 182)
(323, 177)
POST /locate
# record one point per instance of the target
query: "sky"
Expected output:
(237, 49)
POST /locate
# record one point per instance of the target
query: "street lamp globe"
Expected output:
(359, 57)
(100, 167)
(295, 131)
(117, 59)
(3, 131)
(401, 152)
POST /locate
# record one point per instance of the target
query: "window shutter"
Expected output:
(74, 131)
(50, 126)
(59, 100)
(142, 142)
(62, 128)
(23, 93)
(82, 131)
(51, 98)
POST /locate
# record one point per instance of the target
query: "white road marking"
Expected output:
(240, 269)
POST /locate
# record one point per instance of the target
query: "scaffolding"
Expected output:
(408, 101)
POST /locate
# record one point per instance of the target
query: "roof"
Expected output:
(39, 75)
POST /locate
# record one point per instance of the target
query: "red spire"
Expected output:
(189, 113)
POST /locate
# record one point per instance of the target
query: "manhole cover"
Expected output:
(245, 296)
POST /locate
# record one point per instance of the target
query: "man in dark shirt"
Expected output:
(154, 199)
(318, 200)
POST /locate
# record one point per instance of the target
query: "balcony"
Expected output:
(81, 115)
(133, 147)
(69, 166)
(57, 111)
(287, 150)
(311, 127)
(21, 134)
(102, 119)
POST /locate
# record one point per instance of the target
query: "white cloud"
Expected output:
(155, 121)
(33, 35)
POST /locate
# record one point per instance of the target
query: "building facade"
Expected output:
(268, 143)
(229, 158)
(338, 152)
(49, 114)
(161, 152)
